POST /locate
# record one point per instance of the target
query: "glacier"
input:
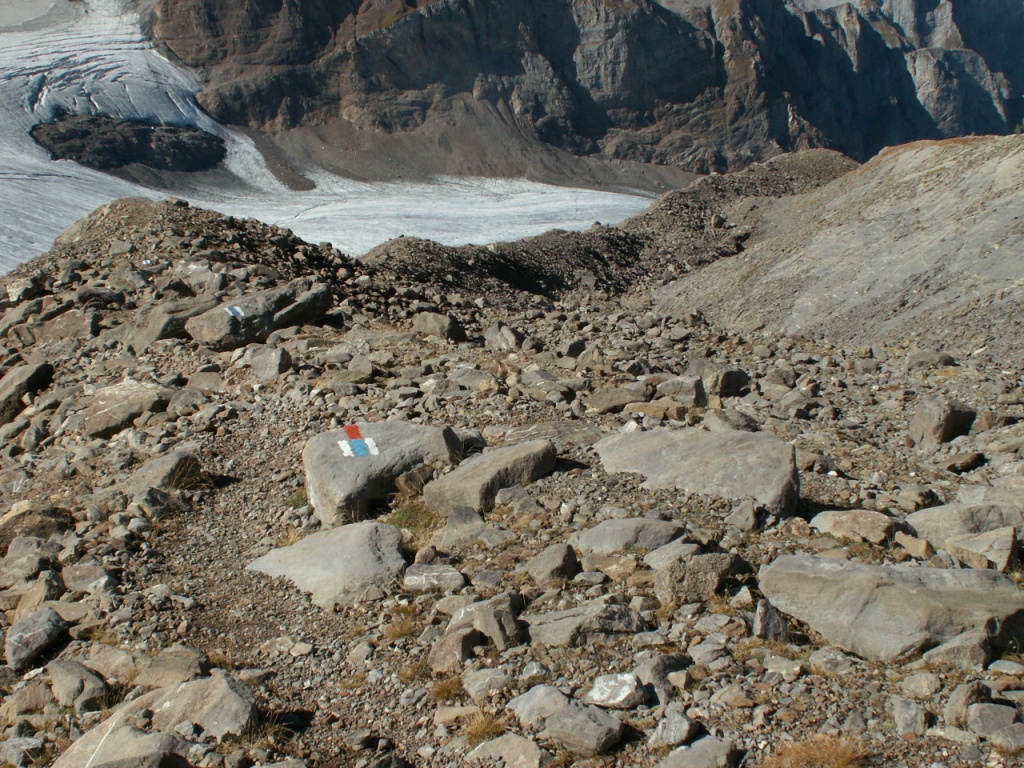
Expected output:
(91, 57)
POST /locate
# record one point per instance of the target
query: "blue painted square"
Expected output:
(359, 447)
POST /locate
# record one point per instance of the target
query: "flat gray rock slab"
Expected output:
(337, 565)
(596, 622)
(732, 465)
(890, 613)
(477, 481)
(433, 578)
(511, 751)
(612, 536)
(222, 706)
(940, 524)
(115, 407)
(254, 316)
(113, 744)
(538, 703)
(349, 470)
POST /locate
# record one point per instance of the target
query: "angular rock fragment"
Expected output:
(476, 481)
(938, 420)
(25, 379)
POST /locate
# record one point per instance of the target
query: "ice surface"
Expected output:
(90, 57)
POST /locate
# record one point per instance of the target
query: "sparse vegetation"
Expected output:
(447, 688)
(820, 752)
(483, 727)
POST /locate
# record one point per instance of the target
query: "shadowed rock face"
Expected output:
(106, 144)
(708, 86)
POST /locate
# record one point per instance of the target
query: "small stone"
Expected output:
(619, 691)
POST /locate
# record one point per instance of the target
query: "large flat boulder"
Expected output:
(891, 613)
(617, 535)
(254, 316)
(940, 524)
(349, 470)
(221, 706)
(599, 622)
(476, 482)
(336, 566)
(733, 465)
(115, 407)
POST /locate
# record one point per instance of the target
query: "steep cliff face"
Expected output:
(705, 85)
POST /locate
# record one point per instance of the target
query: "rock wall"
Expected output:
(709, 86)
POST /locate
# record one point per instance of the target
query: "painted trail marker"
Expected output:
(234, 311)
(357, 445)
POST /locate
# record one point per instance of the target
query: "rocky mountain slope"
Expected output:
(267, 506)
(705, 85)
(921, 243)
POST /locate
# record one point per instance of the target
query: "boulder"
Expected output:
(511, 751)
(993, 549)
(890, 613)
(31, 637)
(584, 730)
(433, 578)
(254, 316)
(940, 524)
(436, 324)
(538, 703)
(556, 563)
(617, 535)
(338, 565)
(616, 691)
(174, 470)
(697, 578)
(938, 420)
(856, 525)
(349, 470)
(709, 752)
(733, 465)
(113, 744)
(114, 408)
(76, 686)
(476, 481)
(21, 380)
(599, 622)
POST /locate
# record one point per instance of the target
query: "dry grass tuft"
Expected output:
(820, 752)
(483, 727)
(447, 689)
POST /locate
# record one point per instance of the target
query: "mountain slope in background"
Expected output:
(923, 243)
(709, 86)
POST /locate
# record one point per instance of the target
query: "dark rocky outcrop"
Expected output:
(710, 85)
(107, 144)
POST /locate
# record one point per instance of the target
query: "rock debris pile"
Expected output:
(266, 506)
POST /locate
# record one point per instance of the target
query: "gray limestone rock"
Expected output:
(436, 324)
(599, 621)
(938, 420)
(76, 686)
(347, 471)
(512, 751)
(114, 744)
(961, 699)
(114, 408)
(538, 703)
(616, 691)
(733, 465)
(856, 525)
(337, 565)
(179, 468)
(886, 613)
(432, 578)
(940, 524)
(986, 719)
(254, 316)
(613, 536)
(584, 730)
(31, 637)
(476, 481)
(708, 752)
(674, 729)
(911, 717)
(697, 578)
(557, 562)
